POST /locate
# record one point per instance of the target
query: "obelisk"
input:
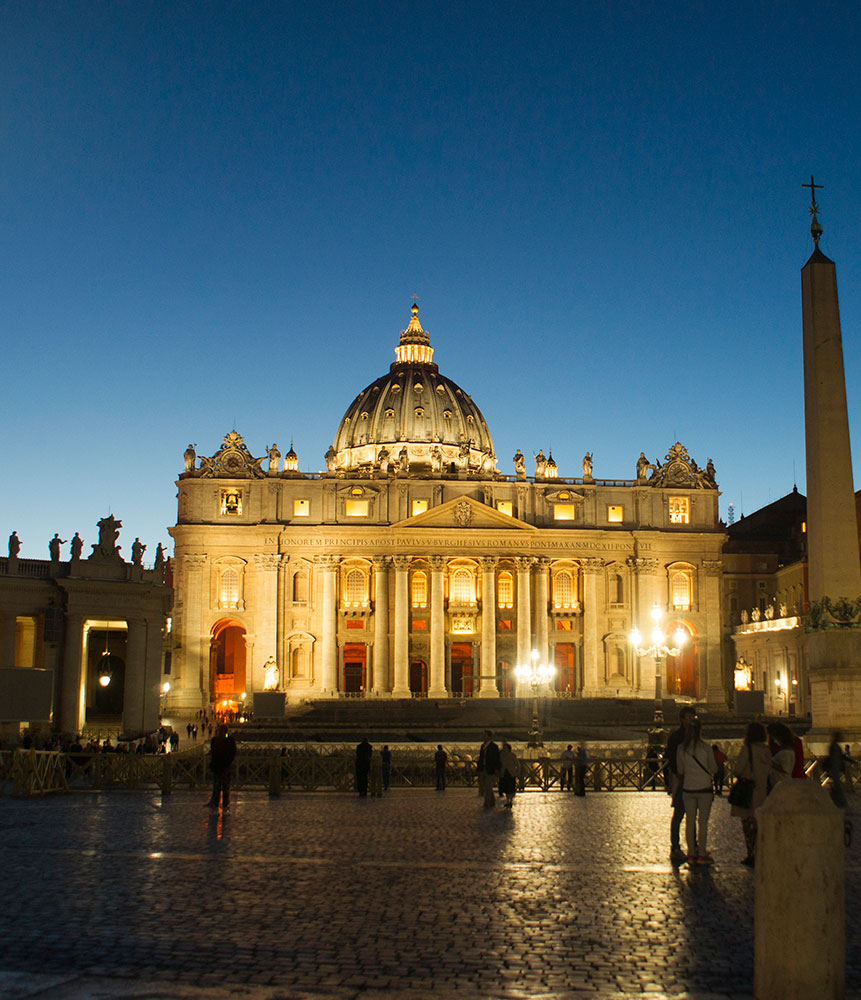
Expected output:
(834, 568)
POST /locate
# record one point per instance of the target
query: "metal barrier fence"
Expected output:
(25, 773)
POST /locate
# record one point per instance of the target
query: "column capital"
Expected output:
(380, 562)
(713, 567)
(524, 563)
(488, 563)
(328, 562)
(645, 567)
(196, 561)
(266, 561)
(542, 562)
(437, 562)
(402, 563)
(593, 565)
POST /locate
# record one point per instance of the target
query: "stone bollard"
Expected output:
(799, 928)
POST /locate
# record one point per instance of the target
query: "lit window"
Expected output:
(505, 591)
(419, 590)
(563, 512)
(355, 590)
(356, 508)
(419, 507)
(563, 626)
(229, 589)
(505, 507)
(231, 502)
(301, 508)
(680, 587)
(563, 590)
(680, 510)
(462, 589)
(614, 513)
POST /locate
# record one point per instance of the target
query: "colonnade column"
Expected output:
(72, 688)
(401, 686)
(134, 688)
(381, 625)
(593, 573)
(487, 686)
(541, 609)
(329, 632)
(192, 647)
(712, 684)
(644, 598)
(436, 687)
(524, 612)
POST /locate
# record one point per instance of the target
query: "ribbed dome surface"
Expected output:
(415, 417)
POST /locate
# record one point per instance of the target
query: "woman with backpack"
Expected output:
(753, 764)
(695, 764)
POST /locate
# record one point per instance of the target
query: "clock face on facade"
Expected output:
(232, 461)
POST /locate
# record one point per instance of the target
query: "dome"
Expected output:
(413, 420)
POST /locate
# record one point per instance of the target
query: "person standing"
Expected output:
(509, 771)
(364, 752)
(720, 773)
(567, 761)
(386, 765)
(696, 767)
(489, 760)
(440, 760)
(581, 765)
(753, 763)
(222, 752)
(686, 716)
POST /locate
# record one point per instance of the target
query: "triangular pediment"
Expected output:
(465, 513)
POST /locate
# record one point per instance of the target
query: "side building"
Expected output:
(412, 567)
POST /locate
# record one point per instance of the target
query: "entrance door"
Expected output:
(418, 677)
(505, 680)
(461, 669)
(355, 654)
(564, 660)
(682, 669)
(227, 662)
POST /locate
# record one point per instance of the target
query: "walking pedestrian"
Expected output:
(364, 752)
(222, 752)
(567, 761)
(509, 771)
(440, 759)
(753, 763)
(696, 767)
(489, 763)
(686, 716)
(581, 765)
(782, 747)
(386, 766)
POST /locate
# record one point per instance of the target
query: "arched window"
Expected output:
(300, 587)
(680, 588)
(563, 590)
(505, 590)
(462, 589)
(229, 596)
(354, 589)
(419, 590)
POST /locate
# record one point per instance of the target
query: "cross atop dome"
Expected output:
(414, 344)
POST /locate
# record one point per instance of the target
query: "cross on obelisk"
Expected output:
(815, 228)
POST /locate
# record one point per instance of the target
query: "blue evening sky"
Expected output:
(214, 215)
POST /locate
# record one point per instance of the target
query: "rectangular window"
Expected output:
(505, 507)
(301, 508)
(563, 626)
(355, 623)
(419, 507)
(615, 514)
(563, 512)
(231, 502)
(356, 508)
(680, 510)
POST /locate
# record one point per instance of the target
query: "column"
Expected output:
(382, 683)
(190, 667)
(72, 686)
(643, 598)
(524, 616)
(401, 686)
(541, 609)
(711, 658)
(436, 685)
(328, 567)
(487, 687)
(265, 621)
(593, 578)
(134, 688)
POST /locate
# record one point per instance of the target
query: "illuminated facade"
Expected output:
(412, 567)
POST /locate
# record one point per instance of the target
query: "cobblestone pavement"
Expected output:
(328, 896)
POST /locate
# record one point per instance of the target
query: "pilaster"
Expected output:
(593, 603)
(487, 669)
(436, 681)
(401, 686)
(381, 681)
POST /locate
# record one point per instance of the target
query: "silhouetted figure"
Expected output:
(364, 752)
(386, 761)
(54, 547)
(14, 545)
(440, 759)
(567, 762)
(222, 752)
(581, 763)
(77, 546)
(138, 549)
(190, 457)
(159, 557)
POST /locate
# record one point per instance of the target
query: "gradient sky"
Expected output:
(214, 215)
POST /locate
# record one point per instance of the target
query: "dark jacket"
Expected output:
(492, 759)
(222, 750)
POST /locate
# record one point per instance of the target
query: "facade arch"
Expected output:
(227, 660)
(564, 585)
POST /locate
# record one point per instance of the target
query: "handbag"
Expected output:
(741, 793)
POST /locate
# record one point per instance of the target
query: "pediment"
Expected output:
(465, 513)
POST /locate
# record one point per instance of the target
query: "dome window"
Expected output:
(446, 414)
(440, 390)
(390, 413)
(470, 419)
(364, 414)
(419, 412)
(418, 387)
(396, 388)
(357, 491)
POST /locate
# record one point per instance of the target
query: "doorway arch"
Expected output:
(227, 654)
(682, 673)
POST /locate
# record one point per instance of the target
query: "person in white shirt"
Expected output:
(695, 764)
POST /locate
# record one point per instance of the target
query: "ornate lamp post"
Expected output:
(660, 649)
(536, 675)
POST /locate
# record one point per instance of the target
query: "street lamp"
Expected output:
(536, 675)
(660, 649)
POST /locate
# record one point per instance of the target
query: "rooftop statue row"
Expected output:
(107, 548)
(234, 461)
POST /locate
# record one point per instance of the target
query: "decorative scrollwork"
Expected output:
(838, 613)
(679, 469)
(232, 461)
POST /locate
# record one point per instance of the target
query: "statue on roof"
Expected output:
(54, 547)
(14, 545)
(643, 467)
(190, 456)
(587, 465)
(138, 549)
(109, 532)
(519, 464)
(540, 464)
(274, 457)
(330, 458)
(77, 546)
